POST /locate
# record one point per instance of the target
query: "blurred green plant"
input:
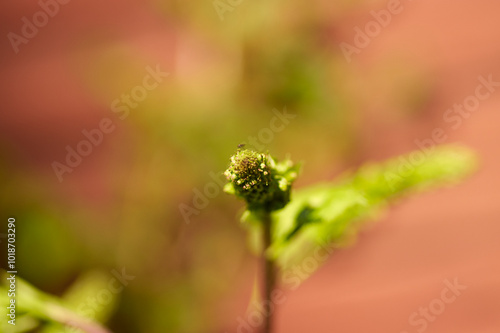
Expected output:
(328, 213)
(36, 310)
(289, 228)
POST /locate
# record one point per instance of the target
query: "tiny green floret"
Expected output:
(259, 180)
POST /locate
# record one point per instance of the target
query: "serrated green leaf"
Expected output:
(330, 213)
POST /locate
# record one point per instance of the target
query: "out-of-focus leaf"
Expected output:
(33, 304)
(330, 213)
(93, 284)
(90, 296)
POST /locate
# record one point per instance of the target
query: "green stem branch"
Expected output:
(269, 272)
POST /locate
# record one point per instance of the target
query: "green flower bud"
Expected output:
(259, 180)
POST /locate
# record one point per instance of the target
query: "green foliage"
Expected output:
(321, 215)
(331, 213)
(36, 309)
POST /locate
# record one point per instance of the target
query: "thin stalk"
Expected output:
(69, 318)
(269, 273)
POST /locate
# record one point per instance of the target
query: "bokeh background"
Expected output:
(120, 207)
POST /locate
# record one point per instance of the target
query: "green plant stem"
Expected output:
(269, 273)
(69, 318)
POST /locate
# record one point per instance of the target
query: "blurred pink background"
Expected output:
(399, 264)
